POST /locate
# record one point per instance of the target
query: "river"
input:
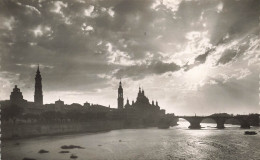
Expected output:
(178, 142)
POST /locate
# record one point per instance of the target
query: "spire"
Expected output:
(120, 99)
(120, 83)
(38, 69)
(38, 97)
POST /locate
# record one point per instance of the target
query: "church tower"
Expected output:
(38, 97)
(120, 99)
(16, 96)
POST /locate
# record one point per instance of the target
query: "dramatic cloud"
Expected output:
(190, 55)
(155, 67)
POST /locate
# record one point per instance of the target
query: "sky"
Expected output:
(192, 56)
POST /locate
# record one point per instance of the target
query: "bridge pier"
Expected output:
(220, 122)
(254, 119)
(244, 124)
(195, 125)
(194, 122)
(220, 126)
(244, 121)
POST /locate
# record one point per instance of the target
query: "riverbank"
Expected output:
(19, 131)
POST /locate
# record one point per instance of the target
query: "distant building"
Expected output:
(98, 108)
(142, 103)
(141, 112)
(59, 105)
(35, 107)
(16, 97)
(50, 107)
(120, 99)
(127, 105)
(86, 104)
(38, 97)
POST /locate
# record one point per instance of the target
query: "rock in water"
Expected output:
(73, 156)
(71, 147)
(43, 151)
(250, 133)
(29, 159)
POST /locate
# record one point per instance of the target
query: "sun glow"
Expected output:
(198, 74)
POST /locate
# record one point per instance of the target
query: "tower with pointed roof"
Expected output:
(38, 97)
(120, 99)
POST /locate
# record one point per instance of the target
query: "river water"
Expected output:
(178, 142)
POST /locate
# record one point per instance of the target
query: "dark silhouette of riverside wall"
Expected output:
(31, 130)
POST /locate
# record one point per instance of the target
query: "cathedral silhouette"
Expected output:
(142, 102)
(141, 112)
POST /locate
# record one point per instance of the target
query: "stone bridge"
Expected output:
(220, 120)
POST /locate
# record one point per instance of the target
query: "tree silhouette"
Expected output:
(12, 112)
(51, 116)
(30, 116)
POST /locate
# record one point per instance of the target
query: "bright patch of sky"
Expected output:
(192, 51)
(89, 10)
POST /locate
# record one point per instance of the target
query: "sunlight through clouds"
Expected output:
(190, 50)
(88, 11)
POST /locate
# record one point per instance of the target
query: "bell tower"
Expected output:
(38, 97)
(120, 99)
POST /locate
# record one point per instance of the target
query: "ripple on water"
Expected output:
(152, 143)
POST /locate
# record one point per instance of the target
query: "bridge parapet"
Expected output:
(220, 120)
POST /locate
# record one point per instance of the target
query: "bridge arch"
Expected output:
(194, 121)
(209, 120)
(222, 120)
(182, 122)
(244, 121)
(232, 121)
